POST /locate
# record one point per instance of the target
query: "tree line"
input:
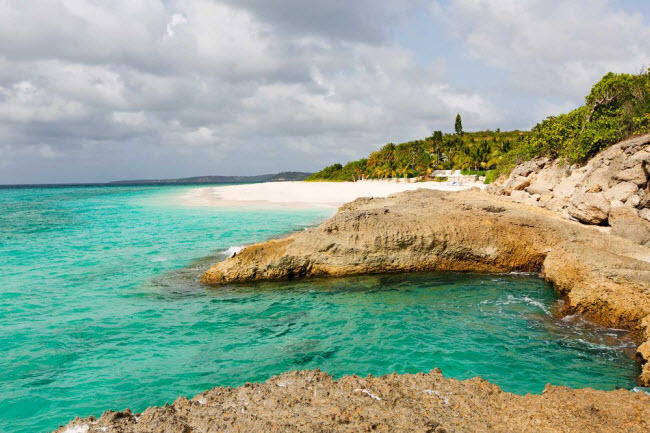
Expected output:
(471, 151)
(617, 107)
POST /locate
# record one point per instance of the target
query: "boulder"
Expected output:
(540, 187)
(621, 191)
(627, 224)
(645, 214)
(590, 208)
(517, 184)
(568, 186)
(617, 176)
(519, 196)
(633, 201)
(635, 174)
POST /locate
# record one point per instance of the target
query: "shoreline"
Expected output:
(300, 195)
(202, 412)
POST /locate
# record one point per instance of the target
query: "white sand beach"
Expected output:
(308, 194)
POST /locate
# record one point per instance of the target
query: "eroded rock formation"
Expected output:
(310, 401)
(603, 277)
(616, 178)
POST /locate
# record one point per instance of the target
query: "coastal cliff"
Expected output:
(602, 277)
(311, 401)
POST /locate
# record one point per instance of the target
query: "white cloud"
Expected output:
(175, 21)
(23, 102)
(47, 152)
(201, 136)
(143, 84)
(130, 118)
(550, 47)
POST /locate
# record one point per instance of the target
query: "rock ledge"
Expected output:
(311, 401)
(604, 277)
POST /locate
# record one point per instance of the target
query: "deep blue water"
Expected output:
(100, 308)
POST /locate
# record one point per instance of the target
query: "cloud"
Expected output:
(175, 21)
(47, 152)
(130, 118)
(367, 21)
(92, 91)
(230, 79)
(550, 47)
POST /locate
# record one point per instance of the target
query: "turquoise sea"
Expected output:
(100, 308)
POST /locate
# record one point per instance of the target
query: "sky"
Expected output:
(99, 90)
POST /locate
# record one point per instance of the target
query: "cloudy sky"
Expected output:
(99, 90)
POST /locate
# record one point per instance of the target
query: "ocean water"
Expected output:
(100, 308)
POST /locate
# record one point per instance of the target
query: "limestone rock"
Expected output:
(540, 187)
(590, 208)
(519, 196)
(518, 184)
(312, 401)
(621, 191)
(619, 172)
(645, 214)
(627, 224)
(635, 174)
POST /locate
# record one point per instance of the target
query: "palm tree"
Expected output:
(404, 170)
(479, 155)
(499, 151)
(463, 160)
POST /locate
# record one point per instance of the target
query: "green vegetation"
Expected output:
(458, 125)
(491, 176)
(473, 152)
(617, 107)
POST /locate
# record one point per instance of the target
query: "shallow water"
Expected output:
(100, 308)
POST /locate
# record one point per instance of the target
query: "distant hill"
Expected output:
(289, 175)
(279, 177)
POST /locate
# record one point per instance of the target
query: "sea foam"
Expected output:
(233, 250)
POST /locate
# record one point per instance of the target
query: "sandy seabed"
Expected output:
(309, 194)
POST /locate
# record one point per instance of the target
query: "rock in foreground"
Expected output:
(311, 401)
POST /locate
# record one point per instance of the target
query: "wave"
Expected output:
(641, 389)
(510, 300)
(233, 250)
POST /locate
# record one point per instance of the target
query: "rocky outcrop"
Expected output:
(311, 401)
(603, 277)
(626, 223)
(617, 177)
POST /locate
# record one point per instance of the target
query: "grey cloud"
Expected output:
(92, 91)
(362, 20)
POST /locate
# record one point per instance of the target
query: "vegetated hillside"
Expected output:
(617, 107)
(288, 176)
(472, 151)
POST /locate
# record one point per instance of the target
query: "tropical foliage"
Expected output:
(466, 150)
(617, 107)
